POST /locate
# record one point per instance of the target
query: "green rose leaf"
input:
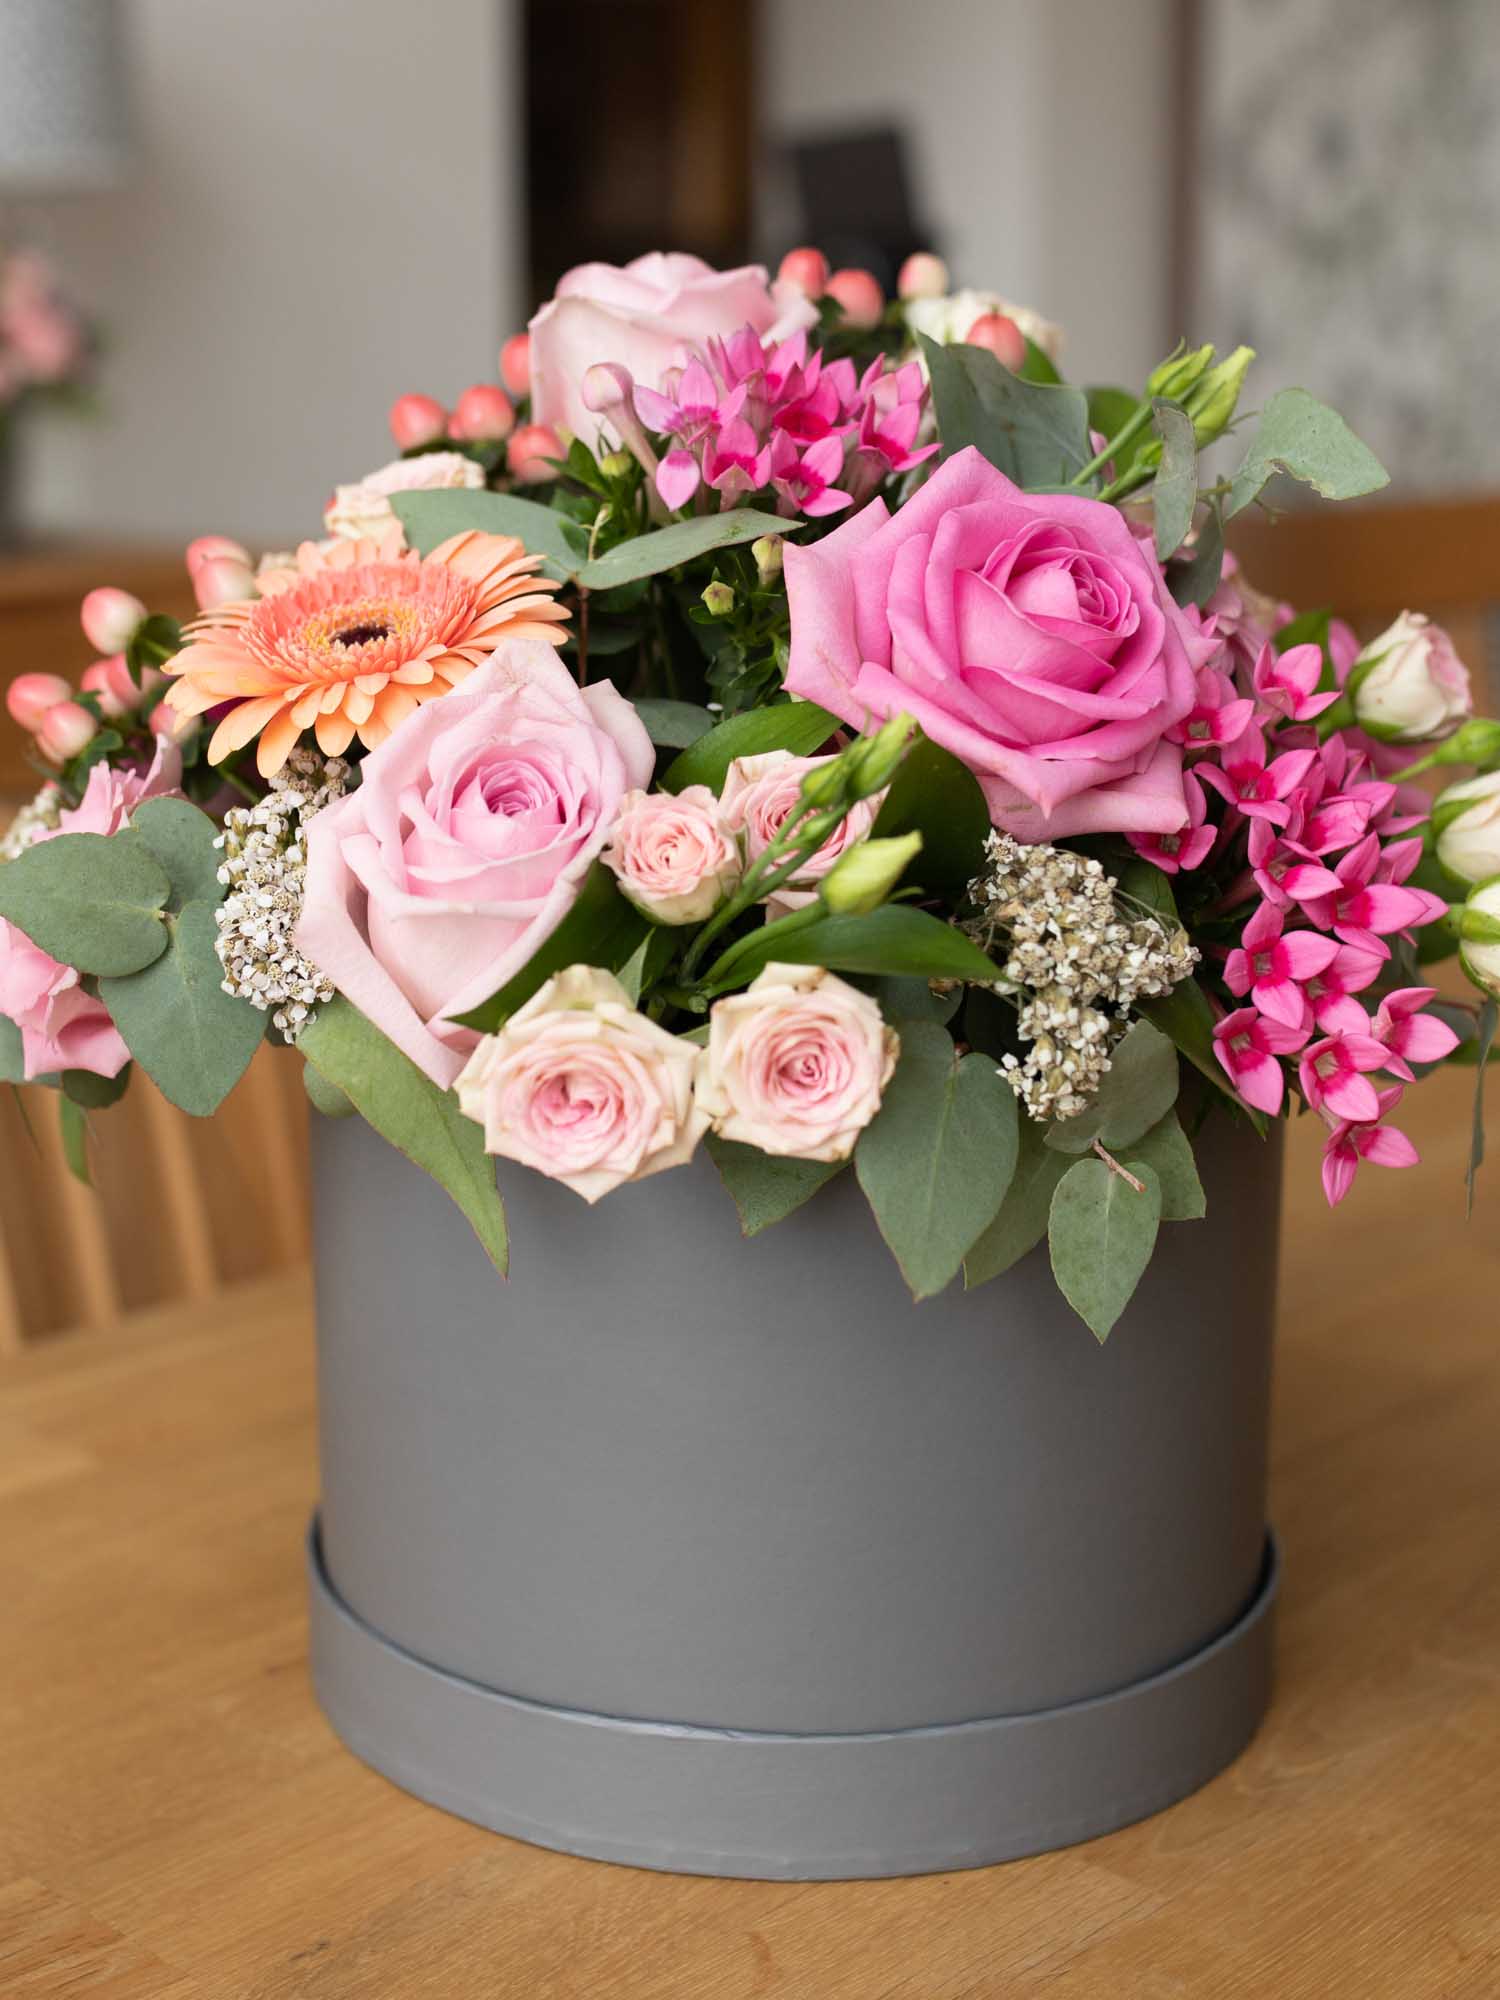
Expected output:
(893, 940)
(407, 1108)
(1036, 433)
(937, 1158)
(1299, 435)
(1022, 1219)
(95, 1093)
(431, 518)
(914, 1000)
(90, 900)
(182, 840)
(671, 725)
(75, 1138)
(1174, 491)
(1140, 1087)
(935, 795)
(798, 726)
(191, 1038)
(601, 929)
(766, 1186)
(683, 542)
(1165, 1149)
(1101, 1233)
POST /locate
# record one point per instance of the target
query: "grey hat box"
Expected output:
(723, 1557)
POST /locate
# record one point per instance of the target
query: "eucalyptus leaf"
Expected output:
(1168, 1152)
(1022, 1219)
(1139, 1088)
(935, 795)
(12, 1058)
(798, 726)
(1036, 433)
(325, 1098)
(1101, 1233)
(191, 1038)
(432, 518)
(90, 900)
(1195, 578)
(895, 939)
(1186, 1018)
(75, 1138)
(672, 725)
(914, 1000)
(682, 542)
(602, 928)
(408, 1109)
(1301, 436)
(1174, 491)
(937, 1158)
(182, 840)
(766, 1186)
(1143, 882)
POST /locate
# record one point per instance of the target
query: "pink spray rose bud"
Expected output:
(805, 270)
(65, 730)
(29, 697)
(528, 452)
(761, 793)
(796, 1064)
(109, 682)
(515, 364)
(584, 1089)
(482, 415)
(859, 293)
(922, 276)
(1000, 334)
(1409, 684)
(109, 618)
(417, 420)
(673, 857)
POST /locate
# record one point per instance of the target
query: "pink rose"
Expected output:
(671, 855)
(1029, 633)
(62, 1027)
(464, 847)
(584, 1089)
(760, 794)
(796, 1064)
(648, 317)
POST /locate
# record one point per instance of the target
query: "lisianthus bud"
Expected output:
(859, 294)
(528, 452)
(998, 333)
(109, 682)
(515, 364)
(1409, 686)
(922, 276)
(863, 876)
(1211, 403)
(1179, 373)
(1476, 741)
(1479, 937)
(223, 579)
(767, 554)
(416, 421)
(65, 730)
(482, 415)
(29, 697)
(718, 599)
(1466, 821)
(109, 618)
(873, 760)
(805, 270)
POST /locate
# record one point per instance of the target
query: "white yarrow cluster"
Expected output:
(1083, 964)
(265, 858)
(38, 816)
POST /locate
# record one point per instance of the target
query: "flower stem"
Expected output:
(1128, 432)
(1115, 1168)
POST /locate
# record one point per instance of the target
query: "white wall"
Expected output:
(1041, 144)
(323, 212)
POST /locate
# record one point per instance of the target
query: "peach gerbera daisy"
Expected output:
(355, 637)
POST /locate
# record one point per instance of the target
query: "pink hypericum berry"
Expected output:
(860, 296)
(922, 276)
(417, 420)
(1001, 336)
(109, 682)
(482, 415)
(164, 720)
(209, 548)
(29, 697)
(65, 729)
(806, 271)
(528, 452)
(109, 618)
(515, 364)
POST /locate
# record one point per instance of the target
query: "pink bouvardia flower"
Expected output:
(1286, 683)
(1190, 848)
(1335, 1073)
(1270, 965)
(1364, 909)
(1330, 993)
(1283, 870)
(806, 479)
(1217, 716)
(1408, 1034)
(1353, 1140)
(1254, 782)
(1247, 1044)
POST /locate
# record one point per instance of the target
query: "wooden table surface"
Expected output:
(177, 1821)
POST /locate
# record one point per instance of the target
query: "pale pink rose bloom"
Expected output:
(465, 845)
(62, 1027)
(584, 1089)
(796, 1064)
(672, 855)
(363, 507)
(760, 794)
(647, 317)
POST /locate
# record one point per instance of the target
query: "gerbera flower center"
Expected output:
(361, 635)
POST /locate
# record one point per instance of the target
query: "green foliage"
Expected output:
(798, 726)
(1038, 365)
(1101, 1233)
(914, 1000)
(1140, 1087)
(766, 1186)
(1489, 1014)
(325, 1098)
(75, 1138)
(895, 939)
(95, 1093)
(1110, 410)
(1021, 1222)
(192, 1038)
(602, 928)
(1195, 578)
(1186, 1018)
(1036, 433)
(650, 959)
(155, 641)
(12, 1060)
(1301, 436)
(181, 838)
(1168, 1153)
(431, 518)
(1174, 491)
(937, 1158)
(407, 1108)
(90, 900)
(671, 725)
(935, 795)
(683, 542)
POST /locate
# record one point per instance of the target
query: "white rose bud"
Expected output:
(1467, 821)
(1409, 685)
(1479, 935)
(673, 856)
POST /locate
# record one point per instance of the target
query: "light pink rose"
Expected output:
(796, 1064)
(672, 855)
(1029, 633)
(62, 1027)
(650, 316)
(760, 793)
(465, 845)
(584, 1089)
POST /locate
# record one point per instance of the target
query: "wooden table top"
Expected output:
(177, 1822)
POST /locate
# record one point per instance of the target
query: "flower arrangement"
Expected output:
(780, 719)
(45, 344)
